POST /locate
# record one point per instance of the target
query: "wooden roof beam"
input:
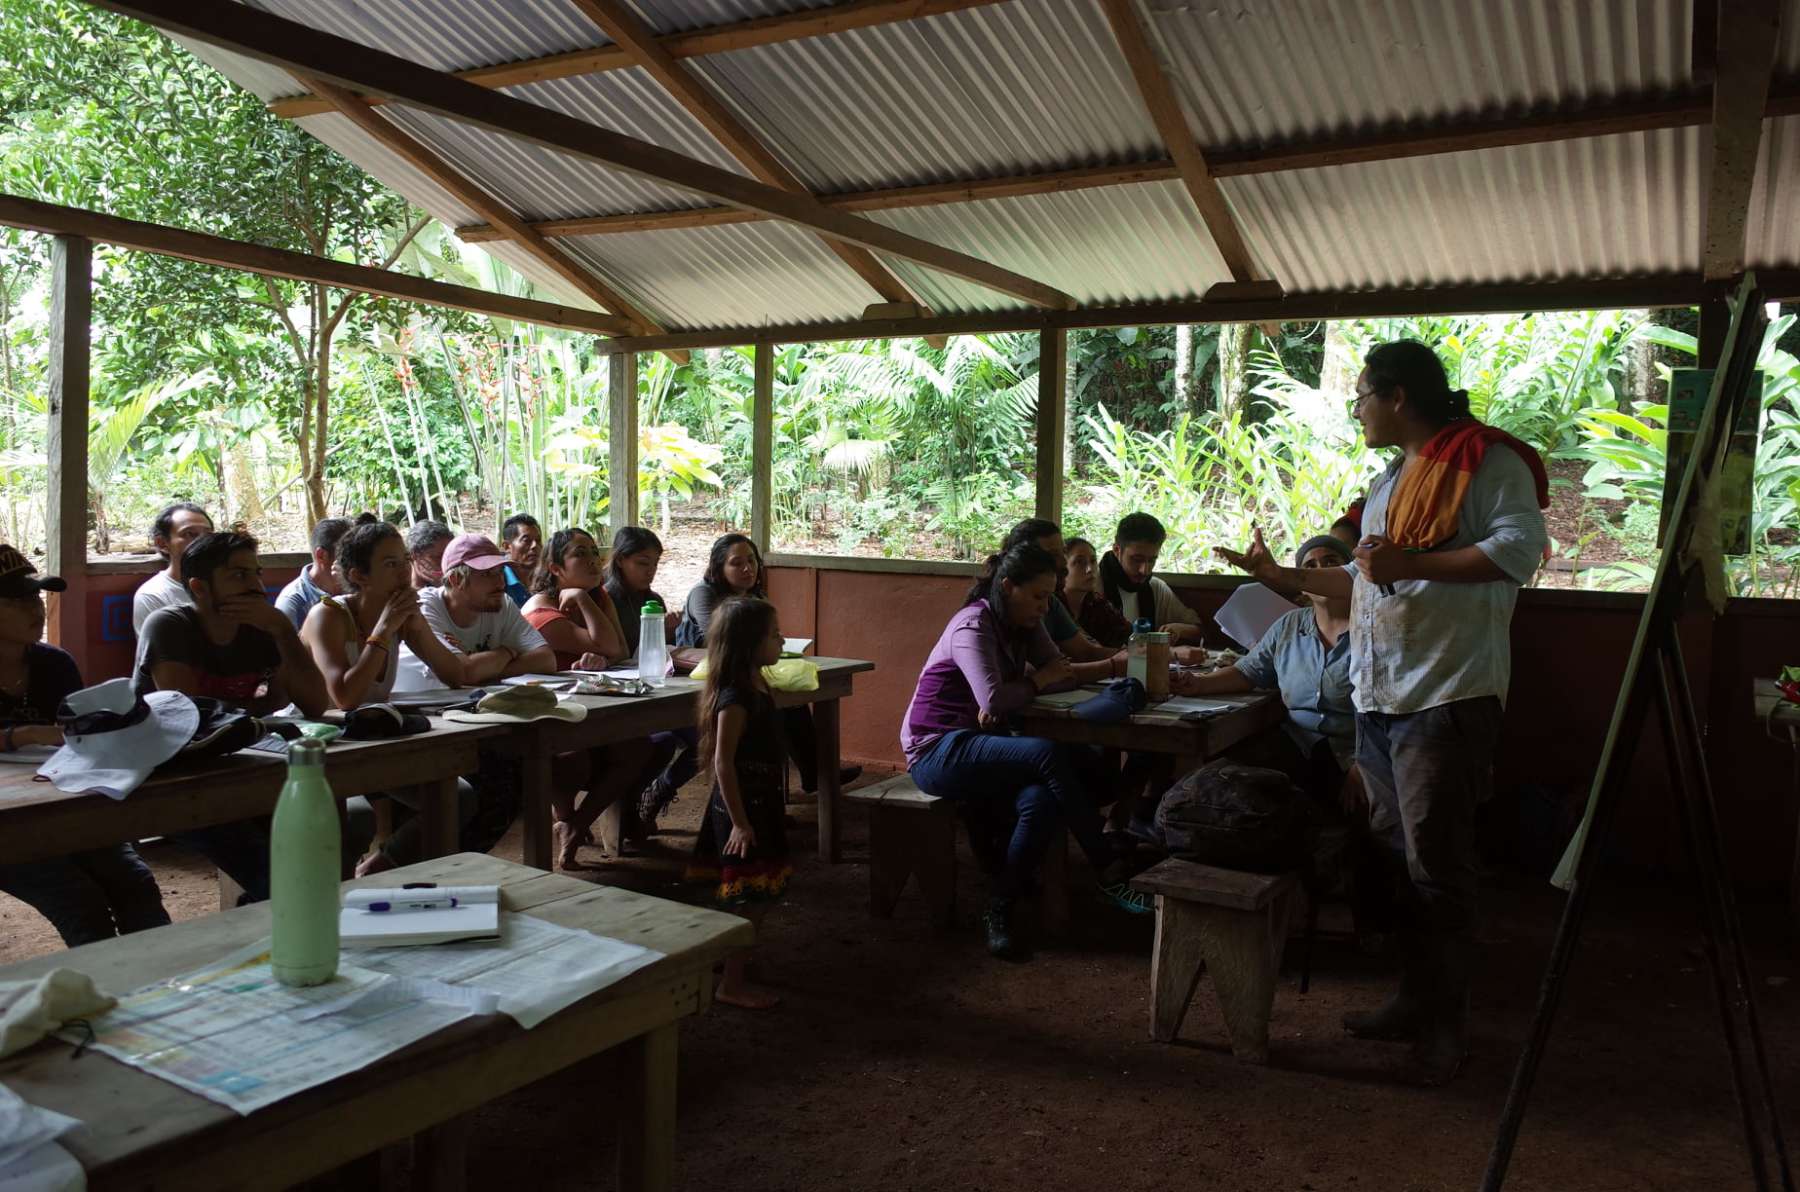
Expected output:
(1667, 289)
(52, 219)
(1744, 64)
(1171, 123)
(304, 50)
(1635, 114)
(716, 39)
(697, 99)
(477, 199)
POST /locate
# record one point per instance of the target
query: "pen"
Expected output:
(413, 904)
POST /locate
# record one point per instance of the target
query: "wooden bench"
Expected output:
(1233, 924)
(911, 832)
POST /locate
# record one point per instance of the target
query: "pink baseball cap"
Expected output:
(474, 551)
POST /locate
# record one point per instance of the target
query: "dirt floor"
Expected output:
(900, 1059)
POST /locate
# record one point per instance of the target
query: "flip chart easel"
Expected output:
(1656, 677)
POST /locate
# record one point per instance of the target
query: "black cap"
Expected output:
(19, 578)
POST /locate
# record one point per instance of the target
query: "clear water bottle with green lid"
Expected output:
(653, 645)
(305, 847)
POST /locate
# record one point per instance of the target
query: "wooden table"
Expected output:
(1777, 716)
(144, 1133)
(611, 719)
(38, 821)
(1190, 742)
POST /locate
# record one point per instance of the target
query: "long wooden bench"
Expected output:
(1222, 921)
(912, 834)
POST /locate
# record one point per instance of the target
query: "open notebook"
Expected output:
(475, 916)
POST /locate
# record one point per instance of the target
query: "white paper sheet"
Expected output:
(48, 1168)
(28, 755)
(26, 1128)
(536, 968)
(1182, 705)
(796, 645)
(1249, 612)
(233, 1034)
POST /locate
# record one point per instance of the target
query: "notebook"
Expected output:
(476, 916)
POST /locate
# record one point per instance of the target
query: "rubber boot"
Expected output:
(1443, 1039)
(1403, 1015)
(996, 922)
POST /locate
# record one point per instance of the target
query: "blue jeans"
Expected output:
(1036, 780)
(91, 895)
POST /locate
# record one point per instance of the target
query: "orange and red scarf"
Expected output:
(1423, 512)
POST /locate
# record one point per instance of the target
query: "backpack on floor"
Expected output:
(1238, 817)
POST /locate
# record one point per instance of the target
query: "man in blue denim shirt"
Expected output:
(1430, 662)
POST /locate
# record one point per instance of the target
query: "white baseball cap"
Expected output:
(113, 737)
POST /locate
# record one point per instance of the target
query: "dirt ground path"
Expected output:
(904, 1060)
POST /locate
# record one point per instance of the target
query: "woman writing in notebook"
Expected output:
(741, 738)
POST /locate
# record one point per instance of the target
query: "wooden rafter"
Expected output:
(1654, 290)
(1171, 124)
(428, 162)
(55, 220)
(715, 39)
(1745, 62)
(639, 40)
(304, 50)
(1632, 114)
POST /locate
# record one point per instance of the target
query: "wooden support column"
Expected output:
(762, 450)
(1715, 321)
(1745, 47)
(71, 315)
(622, 440)
(1052, 411)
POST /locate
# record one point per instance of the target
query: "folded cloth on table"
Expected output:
(790, 674)
(30, 1010)
(511, 704)
(1117, 701)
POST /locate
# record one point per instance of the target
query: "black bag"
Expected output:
(224, 729)
(374, 722)
(1238, 817)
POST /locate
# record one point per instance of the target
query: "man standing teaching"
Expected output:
(1452, 529)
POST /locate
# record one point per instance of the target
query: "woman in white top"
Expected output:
(354, 637)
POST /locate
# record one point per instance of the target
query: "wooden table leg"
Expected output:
(826, 726)
(438, 821)
(647, 1111)
(534, 774)
(440, 1157)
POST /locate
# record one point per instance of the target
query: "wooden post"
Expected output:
(622, 440)
(71, 314)
(762, 450)
(1052, 412)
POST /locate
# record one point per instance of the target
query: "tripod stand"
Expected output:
(1656, 675)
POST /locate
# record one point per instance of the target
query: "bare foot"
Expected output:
(746, 996)
(377, 862)
(565, 845)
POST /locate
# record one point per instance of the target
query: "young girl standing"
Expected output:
(741, 736)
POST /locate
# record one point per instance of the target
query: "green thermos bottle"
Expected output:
(305, 846)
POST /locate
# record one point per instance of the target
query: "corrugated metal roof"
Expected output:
(1034, 85)
(1600, 207)
(739, 275)
(1283, 69)
(1129, 243)
(995, 90)
(1773, 234)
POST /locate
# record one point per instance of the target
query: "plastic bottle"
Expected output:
(653, 646)
(305, 848)
(1137, 652)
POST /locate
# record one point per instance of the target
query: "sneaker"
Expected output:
(655, 799)
(1132, 902)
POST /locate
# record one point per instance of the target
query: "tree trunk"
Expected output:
(240, 474)
(315, 464)
(1184, 363)
(1234, 373)
(1338, 372)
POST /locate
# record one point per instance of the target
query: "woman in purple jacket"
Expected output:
(993, 658)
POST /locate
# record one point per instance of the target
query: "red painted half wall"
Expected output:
(1569, 651)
